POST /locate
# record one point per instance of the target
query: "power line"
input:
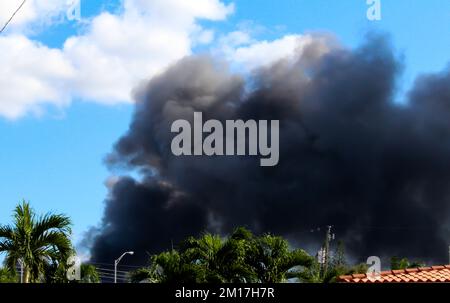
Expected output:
(120, 265)
(12, 16)
(111, 277)
(112, 270)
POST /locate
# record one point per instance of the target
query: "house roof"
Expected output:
(410, 275)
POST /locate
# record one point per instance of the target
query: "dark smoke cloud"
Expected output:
(350, 156)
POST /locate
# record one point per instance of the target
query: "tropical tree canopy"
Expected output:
(404, 263)
(7, 276)
(38, 242)
(316, 273)
(272, 259)
(241, 257)
(89, 274)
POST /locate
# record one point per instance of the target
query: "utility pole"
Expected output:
(21, 271)
(326, 247)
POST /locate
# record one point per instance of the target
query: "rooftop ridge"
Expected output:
(415, 274)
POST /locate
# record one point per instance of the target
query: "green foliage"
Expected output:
(169, 267)
(56, 272)
(404, 263)
(220, 260)
(8, 276)
(314, 274)
(271, 258)
(339, 257)
(241, 257)
(310, 274)
(357, 269)
(142, 275)
(39, 242)
(337, 267)
(89, 274)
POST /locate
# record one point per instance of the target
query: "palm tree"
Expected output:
(169, 267)
(273, 260)
(89, 274)
(207, 259)
(315, 274)
(239, 258)
(35, 241)
(223, 259)
(142, 275)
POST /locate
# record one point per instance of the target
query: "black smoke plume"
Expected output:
(350, 156)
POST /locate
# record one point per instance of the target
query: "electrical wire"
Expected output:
(120, 265)
(12, 16)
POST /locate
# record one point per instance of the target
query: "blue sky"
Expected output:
(54, 158)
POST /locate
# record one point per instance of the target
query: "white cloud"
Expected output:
(31, 75)
(104, 64)
(234, 39)
(120, 51)
(240, 49)
(180, 11)
(33, 13)
(117, 51)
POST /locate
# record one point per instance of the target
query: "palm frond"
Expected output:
(7, 232)
(38, 243)
(23, 215)
(50, 221)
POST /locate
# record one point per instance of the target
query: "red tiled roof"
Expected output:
(410, 275)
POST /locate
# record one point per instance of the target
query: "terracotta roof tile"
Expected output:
(398, 271)
(359, 276)
(410, 275)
